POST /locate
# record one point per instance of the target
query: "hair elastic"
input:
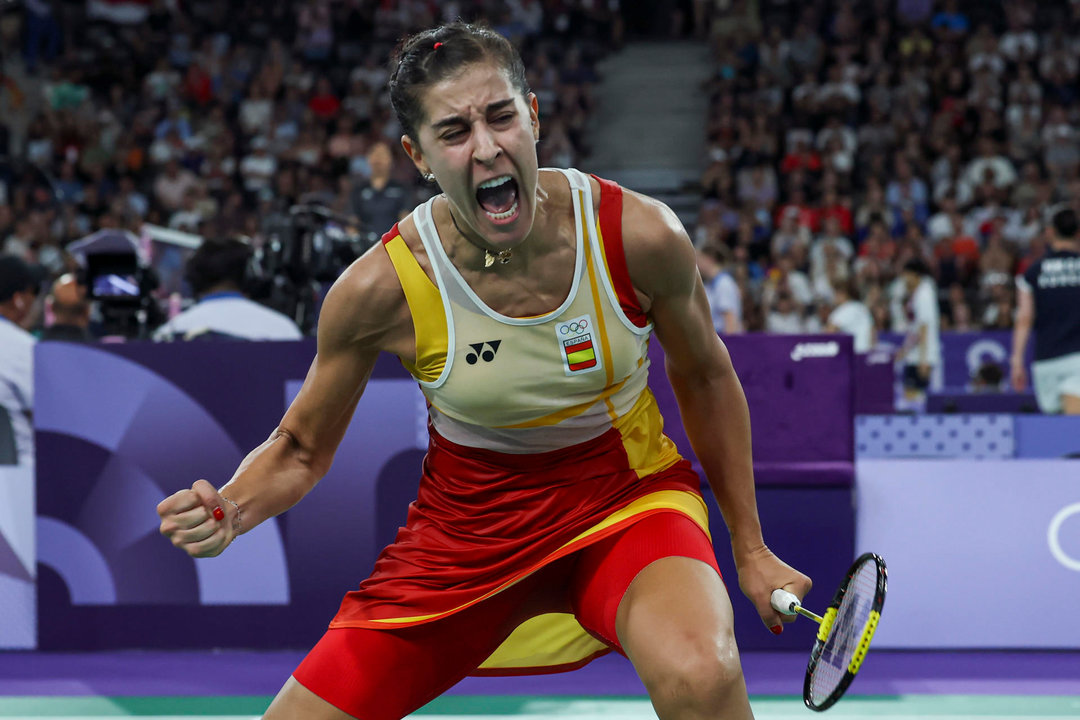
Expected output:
(438, 45)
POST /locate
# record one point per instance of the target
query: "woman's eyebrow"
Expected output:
(462, 120)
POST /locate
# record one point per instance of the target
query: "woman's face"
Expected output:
(478, 136)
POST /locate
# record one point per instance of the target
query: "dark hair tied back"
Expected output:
(431, 56)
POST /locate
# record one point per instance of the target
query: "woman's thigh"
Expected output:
(387, 674)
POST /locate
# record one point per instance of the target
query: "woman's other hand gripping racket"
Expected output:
(760, 571)
(845, 631)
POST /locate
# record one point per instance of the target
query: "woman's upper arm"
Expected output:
(358, 317)
(663, 268)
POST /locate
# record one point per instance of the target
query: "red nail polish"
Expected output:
(219, 514)
(777, 629)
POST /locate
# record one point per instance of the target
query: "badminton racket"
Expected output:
(844, 632)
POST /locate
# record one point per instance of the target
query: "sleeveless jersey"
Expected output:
(524, 385)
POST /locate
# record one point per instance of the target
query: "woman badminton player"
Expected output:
(555, 521)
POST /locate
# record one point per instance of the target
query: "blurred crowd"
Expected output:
(214, 118)
(848, 139)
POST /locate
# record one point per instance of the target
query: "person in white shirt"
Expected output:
(921, 351)
(850, 316)
(989, 158)
(18, 288)
(785, 318)
(725, 298)
(216, 273)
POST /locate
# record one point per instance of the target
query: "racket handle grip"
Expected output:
(784, 602)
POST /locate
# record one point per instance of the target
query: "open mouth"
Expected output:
(498, 198)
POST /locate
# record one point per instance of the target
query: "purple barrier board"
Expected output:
(799, 390)
(119, 427)
(874, 380)
(962, 353)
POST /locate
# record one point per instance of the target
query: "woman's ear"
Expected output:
(534, 116)
(412, 149)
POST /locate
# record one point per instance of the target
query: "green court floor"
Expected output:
(916, 707)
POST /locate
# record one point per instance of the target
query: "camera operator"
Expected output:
(1049, 303)
(217, 273)
(70, 311)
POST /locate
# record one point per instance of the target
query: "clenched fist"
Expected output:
(197, 521)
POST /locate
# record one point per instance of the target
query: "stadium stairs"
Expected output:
(648, 132)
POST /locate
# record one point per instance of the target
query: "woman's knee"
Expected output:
(698, 675)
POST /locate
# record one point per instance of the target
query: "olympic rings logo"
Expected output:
(1053, 536)
(574, 327)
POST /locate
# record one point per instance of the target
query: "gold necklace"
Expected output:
(503, 256)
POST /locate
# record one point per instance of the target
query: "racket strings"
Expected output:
(843, 640)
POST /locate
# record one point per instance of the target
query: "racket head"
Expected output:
(845, 633)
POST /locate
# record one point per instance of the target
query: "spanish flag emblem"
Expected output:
(578, 349)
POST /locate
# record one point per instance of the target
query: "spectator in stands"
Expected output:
(18, 287)
(218, 275)
(1049, 305)
(785, 317)
(850, 316)
(725, 297)
(70, 310)
(380, 201)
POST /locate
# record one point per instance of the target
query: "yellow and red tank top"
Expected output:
(544, 438)
(533, 384)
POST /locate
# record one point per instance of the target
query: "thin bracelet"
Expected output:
(236, 526)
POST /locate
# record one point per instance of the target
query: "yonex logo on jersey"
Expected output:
(578, 350)
(483, 351)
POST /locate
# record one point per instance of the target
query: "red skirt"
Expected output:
(484, 520)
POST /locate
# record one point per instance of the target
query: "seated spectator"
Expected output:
(258, 167)
(784, 316)
(832, 238)
(187, 218)
(790, 237)
(784, 277)
(801, 157)
(172, 184)
(907, 188)
(1019, 44)
(950, 24)
(756, 187)
(217, 273)
(805, 214)
(1004, 174)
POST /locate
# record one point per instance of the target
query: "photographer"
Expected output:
(217, 273)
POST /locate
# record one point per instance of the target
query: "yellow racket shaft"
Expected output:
(787, 603)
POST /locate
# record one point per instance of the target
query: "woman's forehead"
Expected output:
(470, 90)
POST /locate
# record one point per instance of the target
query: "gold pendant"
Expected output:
(503, 255)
